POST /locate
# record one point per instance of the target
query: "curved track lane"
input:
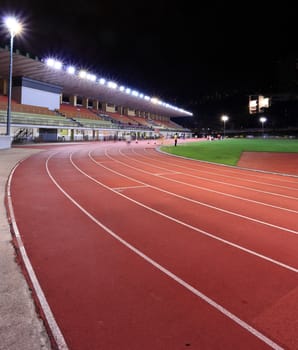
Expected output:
(137, 249)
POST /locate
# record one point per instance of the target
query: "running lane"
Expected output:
(125, 261)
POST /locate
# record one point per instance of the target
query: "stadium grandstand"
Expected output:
(51, 101)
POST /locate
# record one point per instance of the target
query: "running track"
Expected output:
(134, 249)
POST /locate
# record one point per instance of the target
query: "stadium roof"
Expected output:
(73, 84)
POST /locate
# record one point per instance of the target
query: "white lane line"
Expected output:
(208, 189)
(193, 200)
(276, 262)
(217, 173)
(287, 178)
(177, 279)
(233, 196)
(128, 187)
(50, 319)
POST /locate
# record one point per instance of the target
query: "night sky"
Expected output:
(178, 52)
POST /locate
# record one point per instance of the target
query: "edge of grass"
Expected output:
(229, 151)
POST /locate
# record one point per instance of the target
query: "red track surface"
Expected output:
(135, 249)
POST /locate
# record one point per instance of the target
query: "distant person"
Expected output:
(175, 139)
(128, 139)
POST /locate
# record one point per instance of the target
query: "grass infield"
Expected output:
(228, 151)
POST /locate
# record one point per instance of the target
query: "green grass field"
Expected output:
(229, 151)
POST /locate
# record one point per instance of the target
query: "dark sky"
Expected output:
(175, 51)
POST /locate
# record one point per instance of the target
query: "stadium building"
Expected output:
(51, 101)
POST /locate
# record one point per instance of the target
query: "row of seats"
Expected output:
(121, 118)
(17, 107)
(36, 119)
(77, 112)
(84, 116)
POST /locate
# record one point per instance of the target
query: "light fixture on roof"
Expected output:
(112, 85)
(71, 70)
(91, 77)
(154, 100)
(51, 62)
(82, 74)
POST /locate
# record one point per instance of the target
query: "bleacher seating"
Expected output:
(121, 118)
(24, 108)
(70, 111)
(76, 116)
(84, 116)
(23, 114)
(140, 121)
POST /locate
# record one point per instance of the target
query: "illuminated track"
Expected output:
(136, 249)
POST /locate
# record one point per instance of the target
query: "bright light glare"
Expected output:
(71, 70)
(224, 118)
(50, 62)
(112, 85)
(53, 63)
(154, 100)
(91, 77)
(13, 25)
(82, 74)
(58, 65)
(263, 119)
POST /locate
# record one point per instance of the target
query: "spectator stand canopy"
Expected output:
(83, 83)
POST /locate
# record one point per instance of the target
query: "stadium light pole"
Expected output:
(224, 118)
(14, 27)
(263, 120)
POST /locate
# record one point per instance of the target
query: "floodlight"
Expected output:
(224, 118)
(112, 85)
(82, 74)
(263, 120)
(51, 62)
(58, 65)
(13, 25)
(71, 70)
(91, 77)
(154, 100)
